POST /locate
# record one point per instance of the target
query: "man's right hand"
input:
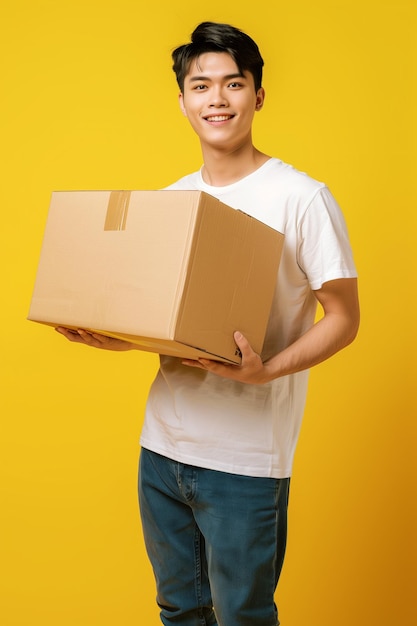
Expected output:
(95, 340)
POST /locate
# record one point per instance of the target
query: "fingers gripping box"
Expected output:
(175, 272)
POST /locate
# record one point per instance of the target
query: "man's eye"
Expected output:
(199, 87)
(235, 85)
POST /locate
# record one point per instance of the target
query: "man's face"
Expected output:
(220, 102)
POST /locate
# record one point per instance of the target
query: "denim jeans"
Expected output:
(216, 542)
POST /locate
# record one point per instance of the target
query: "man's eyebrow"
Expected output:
(194, 79)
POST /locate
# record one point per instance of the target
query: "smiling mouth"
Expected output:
(218, 118)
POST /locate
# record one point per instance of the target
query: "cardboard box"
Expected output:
(177, 272)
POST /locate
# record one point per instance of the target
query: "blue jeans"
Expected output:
(216, 542)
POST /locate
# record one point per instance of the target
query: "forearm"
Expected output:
(329, 335)
(337, 328)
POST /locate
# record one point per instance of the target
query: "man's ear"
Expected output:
(260, 99)
(182, 106)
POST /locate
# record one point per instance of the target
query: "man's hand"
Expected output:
(251, 370)
(335, 330)
(94, 340)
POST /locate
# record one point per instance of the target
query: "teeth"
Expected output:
(218, 118)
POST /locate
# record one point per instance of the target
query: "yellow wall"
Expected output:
(88, 100)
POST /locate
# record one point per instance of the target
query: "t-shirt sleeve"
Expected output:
(324, 250)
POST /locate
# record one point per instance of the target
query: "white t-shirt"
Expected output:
(197, 418)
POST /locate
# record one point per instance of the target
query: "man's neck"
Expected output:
(221, 169)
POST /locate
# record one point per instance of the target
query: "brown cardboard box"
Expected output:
(177, 272)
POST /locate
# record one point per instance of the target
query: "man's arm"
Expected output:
(337, 328)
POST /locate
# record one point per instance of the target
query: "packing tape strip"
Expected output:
(117, 209)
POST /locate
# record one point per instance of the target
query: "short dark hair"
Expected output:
(214, 37)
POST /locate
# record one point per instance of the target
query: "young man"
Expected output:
(218, 440)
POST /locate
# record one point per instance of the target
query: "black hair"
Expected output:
(214, 37)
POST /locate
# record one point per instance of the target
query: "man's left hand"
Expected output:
(251, 370)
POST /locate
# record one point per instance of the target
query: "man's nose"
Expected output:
(218, 98)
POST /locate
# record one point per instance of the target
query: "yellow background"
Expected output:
(88, 101)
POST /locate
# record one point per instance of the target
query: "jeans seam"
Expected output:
(198, 583)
